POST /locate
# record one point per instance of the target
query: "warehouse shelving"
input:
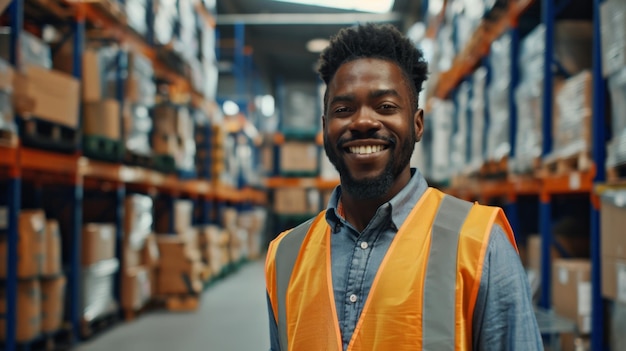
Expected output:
(21, 165)
(548, 187)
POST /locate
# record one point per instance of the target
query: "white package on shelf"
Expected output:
(617, 90)
(458, 156)
(571, 129)
(477, 156)
(97, 283)
(529, 137)
(441, 134)
(613, 36)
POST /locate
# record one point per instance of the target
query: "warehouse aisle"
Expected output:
(233, 317)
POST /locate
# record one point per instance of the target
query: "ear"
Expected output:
(418, 119)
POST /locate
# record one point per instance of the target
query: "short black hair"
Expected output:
(380, 41)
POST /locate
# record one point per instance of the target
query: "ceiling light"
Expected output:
(375, 6)
(230, 108)
(317, 45)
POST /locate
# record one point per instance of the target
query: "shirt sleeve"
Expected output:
(274, 344)
(504, 318)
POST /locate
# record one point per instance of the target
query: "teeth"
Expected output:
(365, 150)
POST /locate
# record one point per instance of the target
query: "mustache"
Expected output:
(342, 141)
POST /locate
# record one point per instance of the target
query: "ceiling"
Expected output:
(278, 32)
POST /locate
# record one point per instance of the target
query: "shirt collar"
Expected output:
(401, 204)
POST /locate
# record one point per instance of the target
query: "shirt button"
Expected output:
(353, 298)
(364, 245)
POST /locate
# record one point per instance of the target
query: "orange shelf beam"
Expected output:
(573, 183)
(52, 162)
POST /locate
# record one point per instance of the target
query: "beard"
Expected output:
(372, 187)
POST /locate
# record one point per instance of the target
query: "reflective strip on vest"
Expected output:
(286, 255)
(440, 284)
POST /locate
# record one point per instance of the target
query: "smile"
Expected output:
(366, 149)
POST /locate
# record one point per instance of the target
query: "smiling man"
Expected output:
(392, 264)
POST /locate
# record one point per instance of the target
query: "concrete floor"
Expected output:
(232, 317)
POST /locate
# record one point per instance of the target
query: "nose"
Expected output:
(365, 121)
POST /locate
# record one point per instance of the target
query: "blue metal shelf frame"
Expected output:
(545, 208)
(16, 11)
(599, 156)
(515, 42)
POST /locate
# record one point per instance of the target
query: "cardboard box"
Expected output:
(131, 257)
(55, 95)
(571, 291)
(6, 75)
(613, 222)
(31, 246)
(102, 118)
(177, 253)
(614, 279)
(4, 4)
(165, 144)
(298, 201)
(150, 252)
(299, 157)
(52, 303)
(185, 281)
(183, 215)
(28, 311)
(136, 288)
(52, 265)
(98, 243)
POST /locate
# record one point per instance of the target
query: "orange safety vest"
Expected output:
(420, 299)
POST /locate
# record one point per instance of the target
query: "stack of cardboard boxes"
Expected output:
(237, 249)
(137, 265)
(613, 256)
(214, 245)
(39, 91)
(174, 135)
(41, 283)
(181, 270)
(99, 266)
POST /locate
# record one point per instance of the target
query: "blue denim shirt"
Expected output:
(503, 316)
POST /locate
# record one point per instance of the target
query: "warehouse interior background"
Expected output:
(151, 149)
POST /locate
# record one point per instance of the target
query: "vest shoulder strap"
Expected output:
(286, 256)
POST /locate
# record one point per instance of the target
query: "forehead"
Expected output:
(369, 73)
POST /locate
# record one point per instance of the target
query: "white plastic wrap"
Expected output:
(613, 33)
(617, 147)
(97, 283)
(618, 326)
(571, 129)
(477, 155)
(441, 124)
(458, 157)
(529, 137)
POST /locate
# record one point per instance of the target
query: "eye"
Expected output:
(387, 107)
(341, 110)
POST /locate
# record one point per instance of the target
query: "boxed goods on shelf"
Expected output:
(441, 133)
(150, 255)
(180, 267)
(498, 137)
(617, 326)
(182, 218)
(571, 126)
(97, 282)
(52, 265)
(296, 201)
(7, 115)
(299, 158)
(52, 303)
(54, 96)
(137, 128)
(460, 142)
(300, 113)
(477, 106)
(32, 50)
(613, 249)
(613, 36)
(617, 89)
(571, 291)
(102, 118)
(136, 12)
(136, 288)
(28, 311)
(100, 68)
(166, 16)
(31, 246)
(98, 243)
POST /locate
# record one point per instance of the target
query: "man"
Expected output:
(392, 264)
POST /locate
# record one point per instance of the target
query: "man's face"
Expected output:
(370, 127)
